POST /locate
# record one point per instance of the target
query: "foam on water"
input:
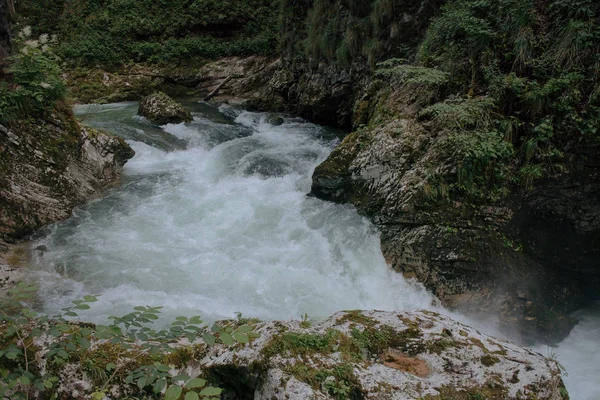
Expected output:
(579, 354)
(212, 218)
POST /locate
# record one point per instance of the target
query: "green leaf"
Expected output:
(196, 382)
(211, 391)
(25, 380)
(226, 338)
(90, 299)
(129, 379)
(173, 392)
(29, 313)
(163, 368)
(240, 337)
(110, 366)
(181, 377)
(244, 329)
(142, 382)
(209, 339)
(191, 396)
(159, 385)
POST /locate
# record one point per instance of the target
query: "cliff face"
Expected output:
(328, 48)
(528, 258)
(431, 164)
(50, 165)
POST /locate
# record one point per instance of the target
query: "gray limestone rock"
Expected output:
(162, 109)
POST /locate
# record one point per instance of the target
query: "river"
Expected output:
(212, 218)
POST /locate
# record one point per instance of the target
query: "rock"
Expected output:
(354, 354)
(9, 276)
(460, 251)
(248, 75)
(54, 165)
(161, 109)
(274, 120)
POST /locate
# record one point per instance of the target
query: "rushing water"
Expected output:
(212, 218)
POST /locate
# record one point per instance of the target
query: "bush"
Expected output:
(36, 85)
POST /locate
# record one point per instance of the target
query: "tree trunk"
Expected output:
(216, 91)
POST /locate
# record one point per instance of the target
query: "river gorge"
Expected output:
(213, 218)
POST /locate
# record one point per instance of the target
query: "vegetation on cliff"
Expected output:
(535, 63)
(116, 32)
(34, 85)
(511, 84)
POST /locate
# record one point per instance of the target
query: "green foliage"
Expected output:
(474, 144)
(397, 69)
(126, 352)
(114, 32)
(348, 32)
(537, 61)
(35, 85)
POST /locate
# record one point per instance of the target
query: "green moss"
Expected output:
(342, 156)
(302, 344)
(96, 360)
(356, 316)
(338, 381)
(490, 391)
(489, 360)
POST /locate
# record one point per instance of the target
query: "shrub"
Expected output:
(35, 85)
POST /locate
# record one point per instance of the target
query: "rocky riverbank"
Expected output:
(49, 166)
(352, 355)
(463, 206)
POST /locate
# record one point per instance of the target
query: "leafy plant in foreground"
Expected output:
(126, 353)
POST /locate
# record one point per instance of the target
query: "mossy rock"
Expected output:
(162, 109)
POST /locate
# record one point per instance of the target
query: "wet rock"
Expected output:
(161, 109)
(460, 251)
(56, 165)
(274, 120)
(415, 355)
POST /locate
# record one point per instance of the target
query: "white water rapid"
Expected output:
(212, 218)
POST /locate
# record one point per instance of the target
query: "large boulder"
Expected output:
(162, 109)
(527, 258)
(383, 355)
(50, 165)
(352, 355)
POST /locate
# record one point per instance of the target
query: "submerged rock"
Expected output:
(352, 355)
(161, 109)
(274, 119)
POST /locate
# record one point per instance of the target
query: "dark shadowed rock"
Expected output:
(161, 109)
